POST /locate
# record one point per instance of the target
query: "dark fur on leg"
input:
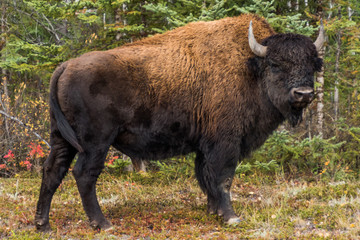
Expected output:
(54, 170)
(86, 171)
(215, 180)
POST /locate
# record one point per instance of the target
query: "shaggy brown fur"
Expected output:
(198, 88)
(213, 55)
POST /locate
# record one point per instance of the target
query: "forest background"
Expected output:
(36, 36)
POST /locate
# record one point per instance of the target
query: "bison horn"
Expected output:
(256, 48)
(321, 38)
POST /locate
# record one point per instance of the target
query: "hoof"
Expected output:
(109, 229)
(42, 226)
(211, 211)
(233, 221)
(103, 225)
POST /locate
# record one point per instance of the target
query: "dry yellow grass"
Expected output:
(144, 207)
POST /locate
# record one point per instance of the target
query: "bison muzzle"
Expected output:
(205, 88)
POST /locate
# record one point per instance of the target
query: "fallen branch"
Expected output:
(25, 126)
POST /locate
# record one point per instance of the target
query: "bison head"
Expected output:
(285, 65)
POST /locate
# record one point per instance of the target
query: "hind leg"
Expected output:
(54, 170)
(86, 171)
(139, 164)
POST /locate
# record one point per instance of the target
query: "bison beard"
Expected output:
(203, 88)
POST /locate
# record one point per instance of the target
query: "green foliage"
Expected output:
(89, 18)
(169, 15)
(214, 11)
(175, 168)
(117, 165)
(38, 35)
(322, 157)
(24, 57)
(246, 168)
(292, 23)
(262, 8)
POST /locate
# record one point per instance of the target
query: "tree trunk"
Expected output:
(337, 67)
(309, 113)
(320, 88)
(119, 19)
(320, 97)
(4, 75)
(143, 33)
(354, 95)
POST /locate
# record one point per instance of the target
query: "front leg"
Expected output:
(215, 170)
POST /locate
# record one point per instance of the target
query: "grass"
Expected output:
(145, 207)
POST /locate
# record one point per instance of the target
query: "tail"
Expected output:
(63, 125)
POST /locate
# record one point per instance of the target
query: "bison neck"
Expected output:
(258, 119)
(257, 134)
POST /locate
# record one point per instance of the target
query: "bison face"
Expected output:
(289, 81)
(286, 64)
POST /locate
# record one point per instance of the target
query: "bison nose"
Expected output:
(302, 94)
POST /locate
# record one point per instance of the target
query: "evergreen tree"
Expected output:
(37, 35)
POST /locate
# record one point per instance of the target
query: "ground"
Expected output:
(140, 206)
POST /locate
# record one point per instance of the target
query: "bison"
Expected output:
(207, 87)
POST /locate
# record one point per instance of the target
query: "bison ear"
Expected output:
(256, 48)
(319, 42)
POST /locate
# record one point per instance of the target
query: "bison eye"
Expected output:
(275, 67)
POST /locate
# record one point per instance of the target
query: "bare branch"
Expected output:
(52, 27)
(52, 31)
(25, 126)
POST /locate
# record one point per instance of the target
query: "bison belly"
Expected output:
(161, 138)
